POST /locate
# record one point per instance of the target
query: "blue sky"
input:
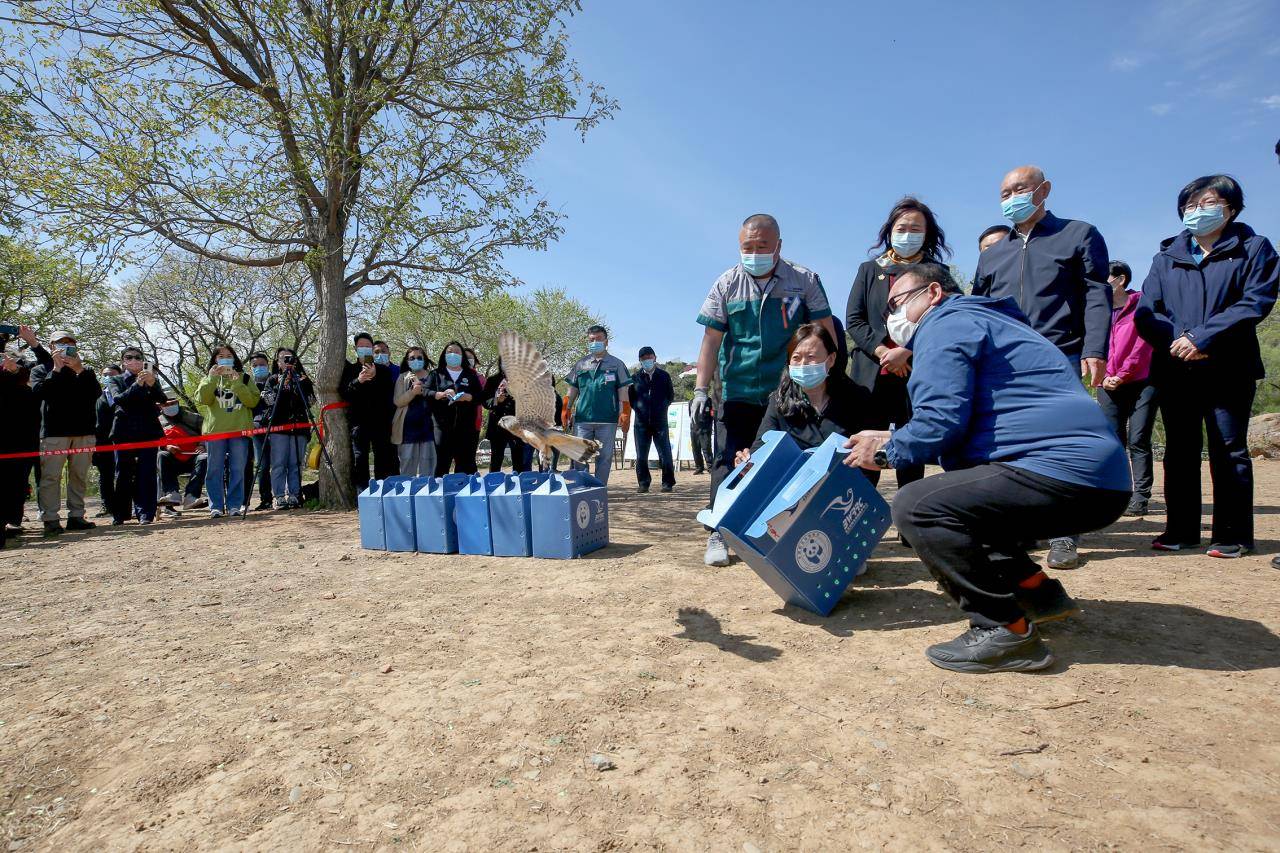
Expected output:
(824, 113)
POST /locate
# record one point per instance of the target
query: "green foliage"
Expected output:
(39, 287)
(1268, 397)
(553, 321)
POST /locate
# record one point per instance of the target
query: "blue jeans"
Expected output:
(226, 471)
(287, 455)
(605, 434)
(659, 436)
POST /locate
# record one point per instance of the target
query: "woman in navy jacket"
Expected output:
(1208, 289)
(455, 390)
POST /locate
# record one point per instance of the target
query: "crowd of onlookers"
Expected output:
(418, 417)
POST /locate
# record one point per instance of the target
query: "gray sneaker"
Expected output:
(171, 499)
(717, 552)
(1063, 554)
(983, 650)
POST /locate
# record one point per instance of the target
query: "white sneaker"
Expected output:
(237, 510)
(717, 552)
(171, 499)
(215, 513)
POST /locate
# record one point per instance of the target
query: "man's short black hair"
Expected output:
(1224, 185)
(1120, 269)
(382, 344)
(117, 368)
(261, 355)
(645, 351)
(762, 220)
(356, 340)
(930, 272)
(597, 330)
(994, 229)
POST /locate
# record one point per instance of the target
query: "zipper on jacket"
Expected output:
(1022, 277)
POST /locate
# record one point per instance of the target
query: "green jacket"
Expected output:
(227, 404)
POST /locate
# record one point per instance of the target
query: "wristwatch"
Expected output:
(880, 458)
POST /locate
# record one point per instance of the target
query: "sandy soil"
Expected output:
(265, 684)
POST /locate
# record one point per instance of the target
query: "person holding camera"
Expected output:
(226, 396)
(68, 394)
(21, 434)
(369, 389)
(500, 403)
(260, 367)
(288, 393)
(105, 460)
(135, 398)
(411, 427)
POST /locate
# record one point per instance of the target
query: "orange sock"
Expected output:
(1034, 581)
(1019, 627)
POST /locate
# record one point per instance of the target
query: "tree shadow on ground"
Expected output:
(701, 627)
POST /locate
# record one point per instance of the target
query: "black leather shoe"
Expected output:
(642, 490)
(1048, 602)
(80, 524)
(982, 650)
(666, 487)
(52, 528)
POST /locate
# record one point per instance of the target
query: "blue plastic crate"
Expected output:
(817, 532)
(369, 507)
(471, 509)
(435, 527)
(753, 484)
(509, 517)
(398, 514)
(570, 516)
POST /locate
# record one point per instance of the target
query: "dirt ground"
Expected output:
(266, 684)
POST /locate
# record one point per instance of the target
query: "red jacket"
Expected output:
(188, 451)
(1129, 356)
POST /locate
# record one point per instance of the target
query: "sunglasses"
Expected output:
(131, 358)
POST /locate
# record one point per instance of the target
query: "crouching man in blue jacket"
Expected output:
(1026, 452)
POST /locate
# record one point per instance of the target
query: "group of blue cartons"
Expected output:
(800, 519)
(557, 516)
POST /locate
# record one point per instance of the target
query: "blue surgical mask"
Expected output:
(595, 347)
(364, 352)
(757, 265)
(453, 359)
(808, 375)
(1204, 220)
(416, 364)
(226, 362)
(382, 358)
(906, 243)
(1019, 208)
(649, 363)
(261, 372)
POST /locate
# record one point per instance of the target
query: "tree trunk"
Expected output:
(328, 277)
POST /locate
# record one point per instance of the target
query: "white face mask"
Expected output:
(900, 329)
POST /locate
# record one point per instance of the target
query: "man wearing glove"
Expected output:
(598, 400)
(748, 318)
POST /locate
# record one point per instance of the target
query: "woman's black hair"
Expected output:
(275, 360)
(1224, 185)
(1121, 270)
(498, 374)
(213, 355)
(442, 366)
(791, 398)
(935, 246)
(426, 359)
(468, 352)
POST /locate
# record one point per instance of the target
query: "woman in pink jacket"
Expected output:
(1127, 398)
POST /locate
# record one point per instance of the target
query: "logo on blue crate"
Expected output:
(851, 507)
(813, 551)
(584, 514)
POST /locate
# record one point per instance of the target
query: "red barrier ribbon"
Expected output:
(176, 440)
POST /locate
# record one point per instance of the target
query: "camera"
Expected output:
(288, 359)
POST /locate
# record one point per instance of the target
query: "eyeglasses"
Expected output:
(902, 299)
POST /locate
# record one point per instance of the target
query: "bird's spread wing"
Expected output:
(528, 380)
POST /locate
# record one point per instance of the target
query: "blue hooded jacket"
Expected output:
(985, 387)
(1217, 303)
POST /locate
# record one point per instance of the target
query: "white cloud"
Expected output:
(1271, 102)
(1125, 63)
(1160, 109)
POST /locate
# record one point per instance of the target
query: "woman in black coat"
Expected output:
(456, 388)
(909, 235)
(136, 399)
(500, 404)
(21, 434)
